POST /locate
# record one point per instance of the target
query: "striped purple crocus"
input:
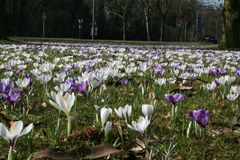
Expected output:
(174, 98)
(80, 87)
(12, 96)
(123, 81)
(237, 72)
(201, 116)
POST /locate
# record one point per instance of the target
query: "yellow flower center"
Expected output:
(11, 123)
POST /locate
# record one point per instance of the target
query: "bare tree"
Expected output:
(146, 6)
(231, 24)
(163, 6)
(118, 8)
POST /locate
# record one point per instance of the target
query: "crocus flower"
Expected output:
(11, 135)
(217, 72)
(44, 78)
(210, 86)
(18, 71)
(174, 98)
(235, 89)
(63, 103)
(123, 81)
(147, 110)
(6, 87)
(124, 112)
(237, 72)
(64, 87)
(107, 127)
(160, 81)
(23, 83)
(201, 116)
(104, 115)
(12, 96)
(141, 125)
(159, 71)
(232, 96)
(80, 87)
(143, 66)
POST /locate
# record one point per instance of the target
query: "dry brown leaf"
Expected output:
(184, 87)
(119, 128)
(52, 154)
(99, 151)
(136, 146)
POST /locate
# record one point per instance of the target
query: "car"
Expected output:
(209, 38)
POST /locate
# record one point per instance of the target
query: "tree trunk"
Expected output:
(124, 27)
(147, 24)
(2, 12)
(163, 23)
(231, 24)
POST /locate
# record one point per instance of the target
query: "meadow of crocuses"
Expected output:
(89, 101)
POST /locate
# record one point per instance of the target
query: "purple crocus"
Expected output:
(158, 70)
(12, 96)
(80, 87)
(18, 71)
(217, 72)
(6, 87)
(27, 75)
(237, 72)
(201, 116)
(174, 98)
(123, 81)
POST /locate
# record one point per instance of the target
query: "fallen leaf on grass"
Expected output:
(99, 151)
(52, 154)
(184, 87)
(95, 152)
(136, 146)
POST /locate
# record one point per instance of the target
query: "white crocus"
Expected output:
(124, 112)
(143, 66)
(64, 87)
(63, 103)
(147, 110)
(232, 96)
(160, 81)
(23, 83)
(11, 135)
(226, 79)
(45, 78)
(235, 89)
(141, 125)
(107, 127)
(104, 115)
(210, 86)
(229, 79)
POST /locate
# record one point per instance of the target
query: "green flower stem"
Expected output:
(58, 123)
(27, 100)
(173, 111)
(68, 125)
(10, 153)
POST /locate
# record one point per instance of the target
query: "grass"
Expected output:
(219, 140)
(117, 42)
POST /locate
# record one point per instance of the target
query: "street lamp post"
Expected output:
(44, 17)
(80, 21)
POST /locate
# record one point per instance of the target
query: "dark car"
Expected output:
(209, 38)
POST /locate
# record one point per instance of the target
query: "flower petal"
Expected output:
(4, 132)
(26, 130)
(16, 129)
